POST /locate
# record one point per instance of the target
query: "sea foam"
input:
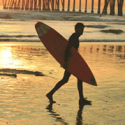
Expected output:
(62, 16)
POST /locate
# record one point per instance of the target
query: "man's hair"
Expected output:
(79, 25)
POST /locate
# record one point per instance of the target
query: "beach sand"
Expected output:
(23, 100)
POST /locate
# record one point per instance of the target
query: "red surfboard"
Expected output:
(56, 45)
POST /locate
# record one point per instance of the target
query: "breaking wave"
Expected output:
(30, 15)
(97, 19)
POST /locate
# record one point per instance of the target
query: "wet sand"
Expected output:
(23, 100)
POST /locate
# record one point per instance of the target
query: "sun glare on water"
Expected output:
(7, 60)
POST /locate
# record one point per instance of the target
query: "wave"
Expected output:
(61, 16)
(14, 72)
(19, 40)
(114, 31)
(31, 16)
(18, 36)
(82, 40)
(102, 40)
(97, 18)
(121, 23)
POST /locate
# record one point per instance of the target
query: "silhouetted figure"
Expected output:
(73, 42)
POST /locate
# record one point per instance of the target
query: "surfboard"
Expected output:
(56, 44)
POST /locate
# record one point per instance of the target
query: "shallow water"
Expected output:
(23, 100)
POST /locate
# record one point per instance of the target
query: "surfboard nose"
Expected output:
(42, 29)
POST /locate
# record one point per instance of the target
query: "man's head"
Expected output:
(79, 28)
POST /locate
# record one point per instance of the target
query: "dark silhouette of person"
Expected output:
(72, 42)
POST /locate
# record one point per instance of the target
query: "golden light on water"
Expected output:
(18, 56)
(7, 60)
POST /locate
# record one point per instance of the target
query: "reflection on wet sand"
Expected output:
(21, 56)
(117, 50)
(25, 57)
(14, 56)
(58, 118)
(103, 48)
(79, 118)
(23, 98)
(55, 115)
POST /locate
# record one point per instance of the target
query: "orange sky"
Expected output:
(1, 2)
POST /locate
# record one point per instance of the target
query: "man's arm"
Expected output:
(66, 55)
(67, 51)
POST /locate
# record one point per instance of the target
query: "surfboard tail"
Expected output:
(93, 81)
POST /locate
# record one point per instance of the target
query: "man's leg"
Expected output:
(82, 100)
(80, 89)
(58, 85)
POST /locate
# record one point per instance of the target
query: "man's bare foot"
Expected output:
(84, 102)
(49, 96)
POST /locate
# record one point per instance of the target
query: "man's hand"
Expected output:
(65, 65)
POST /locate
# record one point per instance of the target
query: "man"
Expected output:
(73, 42)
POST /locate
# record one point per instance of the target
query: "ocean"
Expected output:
(18, 26)
(28, 71)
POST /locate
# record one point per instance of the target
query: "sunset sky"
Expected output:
(1, 2)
